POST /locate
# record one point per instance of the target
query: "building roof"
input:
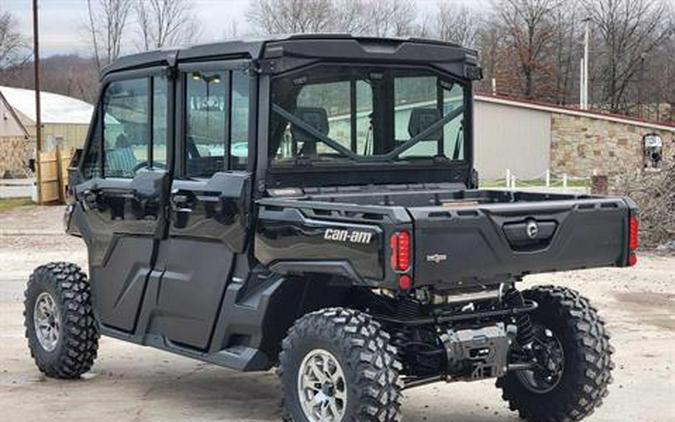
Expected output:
(54, 108)
(554, 108)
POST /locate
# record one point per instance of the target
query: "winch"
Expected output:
(478, 353)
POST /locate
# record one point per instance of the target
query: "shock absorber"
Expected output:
(525, 330)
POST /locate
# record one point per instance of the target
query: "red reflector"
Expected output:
(633, 234)
(403, 251)
(405, 282)
(632, 260)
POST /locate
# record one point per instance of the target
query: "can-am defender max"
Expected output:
(310, 203)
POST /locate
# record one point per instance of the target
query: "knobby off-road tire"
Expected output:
(364, 354)
(63, 287)
(587, 359)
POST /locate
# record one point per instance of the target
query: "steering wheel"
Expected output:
(145, 163)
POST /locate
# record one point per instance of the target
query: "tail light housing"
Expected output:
(399, 244)
(632, 240)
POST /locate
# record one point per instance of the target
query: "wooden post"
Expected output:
(59, 173)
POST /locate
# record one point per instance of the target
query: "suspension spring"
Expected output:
(525, 330)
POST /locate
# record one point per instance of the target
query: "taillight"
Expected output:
(632, 240)
(399, 244)
(400, 251)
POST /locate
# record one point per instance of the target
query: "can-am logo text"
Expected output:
(339, 235)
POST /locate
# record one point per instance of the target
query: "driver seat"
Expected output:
(317, 118)
(421, 119)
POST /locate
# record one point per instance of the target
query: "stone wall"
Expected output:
(583, 145)
(14, 154)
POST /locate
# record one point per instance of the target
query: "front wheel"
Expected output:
(338, 365)
(573, 360)
(60, 326)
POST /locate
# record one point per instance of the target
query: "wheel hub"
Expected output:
(549, 362)
(47, 321)
(322, 389)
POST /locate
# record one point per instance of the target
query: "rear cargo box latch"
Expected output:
(530, 234)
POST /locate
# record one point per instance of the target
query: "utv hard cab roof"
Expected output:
(305, 48)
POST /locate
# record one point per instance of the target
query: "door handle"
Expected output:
(179, 204)
(90, 198)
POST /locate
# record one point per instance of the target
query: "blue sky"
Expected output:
(62, 21)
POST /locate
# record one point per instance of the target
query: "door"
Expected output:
(124, 194)
(209, 201)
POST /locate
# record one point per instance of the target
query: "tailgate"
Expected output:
(495, 242)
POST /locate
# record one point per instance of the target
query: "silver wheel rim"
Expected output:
(322, 388)
(47, 321)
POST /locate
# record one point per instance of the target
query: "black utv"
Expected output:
(310, 203)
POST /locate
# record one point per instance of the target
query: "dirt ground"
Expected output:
(132, 383)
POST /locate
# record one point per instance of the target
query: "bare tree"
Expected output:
(13, 45)
(529, 39)
(393, 18)
(360, 17)
(490, 44)
(231, 30)
(567, 45)
(163, 23)
(458, 24)
(291, 16)
(628, 31)
(107, 20)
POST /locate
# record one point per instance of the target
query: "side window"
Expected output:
(239, 125)
(453, 132)
(91, 163)
(217, 122)
(134, 126)
(125, 127)
(205, 115)
(159, 121)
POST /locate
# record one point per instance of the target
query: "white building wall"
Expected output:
(509, 137)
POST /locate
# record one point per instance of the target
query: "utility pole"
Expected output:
(582, 79)
(587, 37)
(38, 120)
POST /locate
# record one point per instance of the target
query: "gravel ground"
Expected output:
(132, 383)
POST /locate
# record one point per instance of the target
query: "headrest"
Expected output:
(315, 117)
(422, 118)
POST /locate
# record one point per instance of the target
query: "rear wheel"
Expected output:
(60, 327)
(573, 360)
(338, 365)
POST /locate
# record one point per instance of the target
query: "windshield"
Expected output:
(344, 114)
